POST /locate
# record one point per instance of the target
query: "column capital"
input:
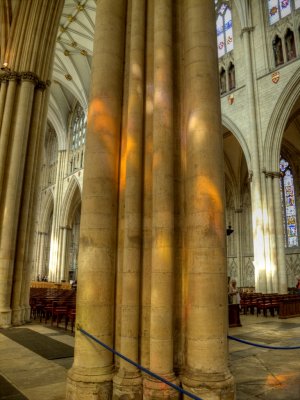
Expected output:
(247, 29)
(29, 76)
(272, 174)
(238, 210)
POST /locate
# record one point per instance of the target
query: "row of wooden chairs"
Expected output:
(264, 303)
(54, 305)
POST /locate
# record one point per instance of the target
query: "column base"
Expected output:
(95, 386)
(209, 386)
(155, 389)
(127, 386)
(5, 318)
(26, 312)
(17, 317)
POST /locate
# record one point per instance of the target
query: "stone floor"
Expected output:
(260, 373)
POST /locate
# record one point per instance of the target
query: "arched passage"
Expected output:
(70, 230)
(43, 240)
(238, 207)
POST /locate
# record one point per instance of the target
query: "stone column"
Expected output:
(54, 262)
(206, 371)
(22, 268)
(128, 381)
(256, 191)
(3, 90)
(64, 271)
(92, 371)
(33, 28)
(12, 197)
(238, 233)
(281, 266)
(6, 123)
(162, 273)
(40, 253)
(273, 278)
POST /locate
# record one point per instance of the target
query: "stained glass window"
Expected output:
(224, 28)
(288, 204)
(281, 8)
(79, 128)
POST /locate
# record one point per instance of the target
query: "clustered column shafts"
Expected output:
(127, 218)
(136, 74)
(22, 110)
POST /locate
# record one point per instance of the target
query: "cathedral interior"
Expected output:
(133, 135)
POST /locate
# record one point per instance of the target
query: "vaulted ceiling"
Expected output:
(72, 63)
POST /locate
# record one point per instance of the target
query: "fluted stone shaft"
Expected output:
(128, 380)
(272, 235)
(21, 266)
(93, 367)
(162, 273)
(206, 371)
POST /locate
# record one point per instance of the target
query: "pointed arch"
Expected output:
(278, 121)
(47, 206)
(230, 125)
(71, 201)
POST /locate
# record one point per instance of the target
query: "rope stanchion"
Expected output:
(140, 367)
(264, 346)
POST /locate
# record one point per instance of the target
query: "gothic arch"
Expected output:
(278, 121)
(47, 206)
(230, 125)
(71, 201)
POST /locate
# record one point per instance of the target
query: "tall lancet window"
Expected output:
(224, 28)
(288, 204)
(77, 139)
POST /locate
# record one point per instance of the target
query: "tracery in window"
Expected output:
(277, 50)
(278, 9)
(231, 76)
(224, 28)
(78, 128)
(290, 45)
(77, 139)
(287, 191)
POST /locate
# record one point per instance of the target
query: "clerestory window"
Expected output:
(224, 27)
(278, 9)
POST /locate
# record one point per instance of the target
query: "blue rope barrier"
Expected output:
(140, 367)
(263, 345)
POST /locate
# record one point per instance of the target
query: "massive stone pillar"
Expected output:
(206, 367)
(34, 26)
(91, 374)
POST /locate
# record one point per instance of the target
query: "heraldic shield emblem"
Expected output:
(275, 77)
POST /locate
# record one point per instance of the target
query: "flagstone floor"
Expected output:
(260, 374)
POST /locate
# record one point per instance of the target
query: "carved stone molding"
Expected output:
(26, 76)
(272, 174)
(29, 77)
